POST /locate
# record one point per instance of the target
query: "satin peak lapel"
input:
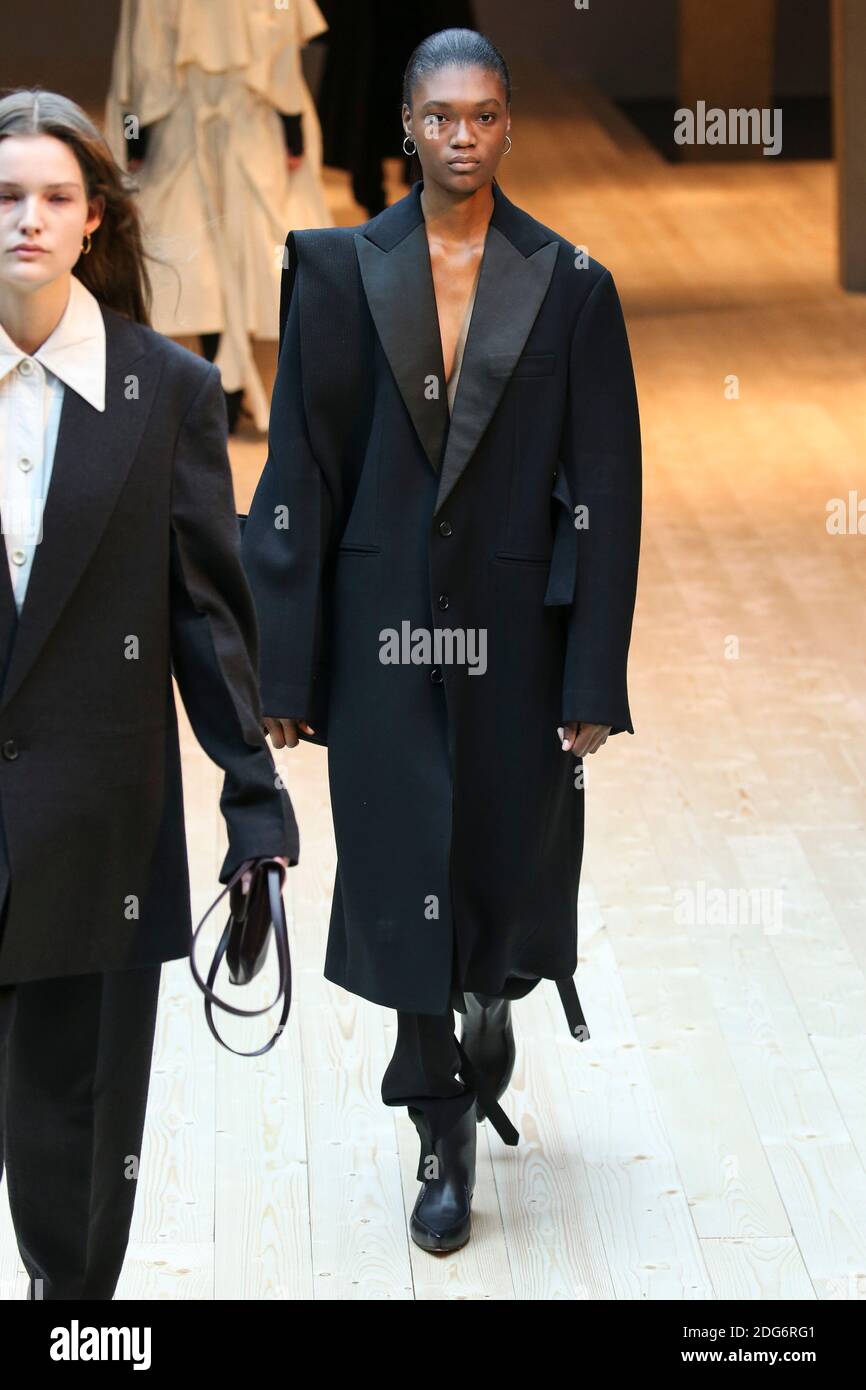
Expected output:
(516, 268)
(398, 284)
(511, 290)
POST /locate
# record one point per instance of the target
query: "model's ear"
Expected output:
(95, 209)
(287, 283)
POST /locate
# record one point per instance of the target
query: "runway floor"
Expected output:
(709, 1141)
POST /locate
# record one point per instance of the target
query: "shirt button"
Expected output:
(445, 528)
(19, 557)
(26, 368)
(443, 600)
(10, 750)
(436, 676)
(25, 464)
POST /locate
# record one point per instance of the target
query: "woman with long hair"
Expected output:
(443, 549)
(123, 567)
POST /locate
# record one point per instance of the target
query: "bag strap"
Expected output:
(274, 871)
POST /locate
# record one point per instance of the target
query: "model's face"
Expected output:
(44, 211)
(459, 121)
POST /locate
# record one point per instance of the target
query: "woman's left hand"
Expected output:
(249, 864)
(588, 740)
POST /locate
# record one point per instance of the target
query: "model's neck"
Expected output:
(457, 219)
(29, 317)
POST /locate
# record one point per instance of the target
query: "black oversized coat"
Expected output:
(458, 821)
(138, 573)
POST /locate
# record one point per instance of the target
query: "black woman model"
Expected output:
(123, 566)
(443, 550)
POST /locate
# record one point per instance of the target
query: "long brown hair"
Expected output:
(114, 271)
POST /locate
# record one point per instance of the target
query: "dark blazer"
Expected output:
(459, 826)
(138, 575)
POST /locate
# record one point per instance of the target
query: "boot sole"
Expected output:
(440, 1244)
(436, 1248)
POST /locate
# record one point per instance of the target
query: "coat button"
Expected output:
(10, 750)
(443, 600)
(436, 676)
(445, 528)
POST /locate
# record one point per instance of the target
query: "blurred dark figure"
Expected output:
(369, 43)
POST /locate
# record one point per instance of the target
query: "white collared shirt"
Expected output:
(31, 399)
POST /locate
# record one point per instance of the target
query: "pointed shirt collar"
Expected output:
(74, 351)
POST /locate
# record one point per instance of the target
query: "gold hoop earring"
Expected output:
(414, 146)
(506, 151)
(85, 250)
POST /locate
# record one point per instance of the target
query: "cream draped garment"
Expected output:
(217, 198)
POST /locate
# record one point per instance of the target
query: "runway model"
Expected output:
(443, 550)
(222, 115)
(121, 566)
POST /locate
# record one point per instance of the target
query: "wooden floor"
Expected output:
(709, 1141)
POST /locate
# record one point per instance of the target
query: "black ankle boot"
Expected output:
(488, 1037)
(441, 1218)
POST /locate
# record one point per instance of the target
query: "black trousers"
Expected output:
(75, 1057)
(421, 1072)
(210, 343)
(421, 1076)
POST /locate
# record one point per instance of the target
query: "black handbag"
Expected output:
(244, 944)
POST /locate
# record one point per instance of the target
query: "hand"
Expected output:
(283, 733)
(590, 738)
(249, 864)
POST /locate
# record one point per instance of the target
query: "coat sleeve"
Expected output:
(601, 454)
(285, 539)
(214, 638)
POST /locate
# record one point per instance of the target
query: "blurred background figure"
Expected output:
(368, 43)
(209, 108)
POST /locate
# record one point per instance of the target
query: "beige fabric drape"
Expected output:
(217, 197)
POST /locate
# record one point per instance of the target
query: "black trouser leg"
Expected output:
(420, 1075)
(210, 343)
(368, 185)
(77, 1067)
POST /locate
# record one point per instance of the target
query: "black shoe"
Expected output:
(488, 1038)
(441, 1218)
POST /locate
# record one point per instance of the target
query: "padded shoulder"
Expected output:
(327, 257)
